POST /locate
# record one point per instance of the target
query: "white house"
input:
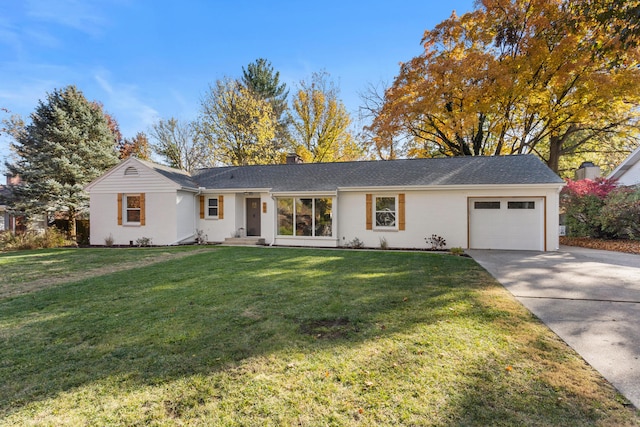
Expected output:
(628, 172)
(505, 202)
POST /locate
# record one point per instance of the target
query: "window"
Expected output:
(212, 207)
(310, 217)
(521, 205)
(133, 208)
(385, 212)
(285, 217)
(486, 205)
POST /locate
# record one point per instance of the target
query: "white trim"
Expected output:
(466, 187)
(396, 220)
(125, 209)
(626, 164)
(207, 207)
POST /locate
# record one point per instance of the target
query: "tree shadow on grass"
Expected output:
(210, 312)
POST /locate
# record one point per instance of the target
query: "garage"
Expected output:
(507, 223)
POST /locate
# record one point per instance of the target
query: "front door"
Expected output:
(253, 216)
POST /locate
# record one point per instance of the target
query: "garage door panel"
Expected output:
(507, 224)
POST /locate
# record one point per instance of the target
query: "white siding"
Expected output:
(216, 229)
(147, 181)
(631, 176)
(160, 206)
(186, 215)
(160, 219)
(427, 212)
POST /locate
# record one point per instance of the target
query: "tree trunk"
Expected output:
(555, 150)
(72, 227)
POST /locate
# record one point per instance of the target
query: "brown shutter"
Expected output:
(142, 210)
(401, 222)
(220, 207)
(369, 212)
(201, 207)
(119, 208)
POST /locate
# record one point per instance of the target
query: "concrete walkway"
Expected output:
(590, 298)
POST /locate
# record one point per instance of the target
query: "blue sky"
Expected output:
(146, 60)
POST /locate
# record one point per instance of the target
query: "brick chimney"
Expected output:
(12, 180)
(293, 159)
(587, 170)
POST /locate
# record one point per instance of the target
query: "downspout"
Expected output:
(275, 220)
(196, 210)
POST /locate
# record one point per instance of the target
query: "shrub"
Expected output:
(620, 214)
(143, 241)
(51, 238)
(582, 202)
(383, 243)
(108, 241)
(355, 244)
(201, 238)
(458, 251)
(436, 242)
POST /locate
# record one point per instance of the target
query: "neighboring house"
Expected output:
(505, 202)
(628, 172)
(9, 221)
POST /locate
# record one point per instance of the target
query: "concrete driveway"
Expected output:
(590, 298)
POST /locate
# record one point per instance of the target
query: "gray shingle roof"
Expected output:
(178, 176)
(518, 169)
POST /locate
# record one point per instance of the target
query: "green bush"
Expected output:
(583, 216)
(620, 214)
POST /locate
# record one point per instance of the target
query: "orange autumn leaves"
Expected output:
(513, 76)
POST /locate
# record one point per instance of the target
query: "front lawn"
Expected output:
(275, 336)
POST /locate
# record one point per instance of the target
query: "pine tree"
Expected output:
(260, 78)
(67, 144)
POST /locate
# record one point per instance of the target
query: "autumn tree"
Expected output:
(180, 145)
(321, 123)
(372, 102)
(512, 77)
(263, 80)
(138, 146)
(620, 19)
(66, 145)
(239, 125)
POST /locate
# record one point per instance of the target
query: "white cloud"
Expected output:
(123, 101)
(82, 15)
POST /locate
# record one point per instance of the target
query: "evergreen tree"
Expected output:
(260, 78)
(67, 144)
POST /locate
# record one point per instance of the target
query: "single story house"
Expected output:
(505, 202)
(628, 172)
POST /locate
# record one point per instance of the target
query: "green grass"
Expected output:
(274, 336)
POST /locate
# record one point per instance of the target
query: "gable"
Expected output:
(628, 172)
(132, 175)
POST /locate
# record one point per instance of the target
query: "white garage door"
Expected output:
(506, 223)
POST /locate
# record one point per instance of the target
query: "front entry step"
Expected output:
(244, 241)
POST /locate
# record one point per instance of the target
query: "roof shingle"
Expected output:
(478, 170)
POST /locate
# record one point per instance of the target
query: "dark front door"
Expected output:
(253, 217)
